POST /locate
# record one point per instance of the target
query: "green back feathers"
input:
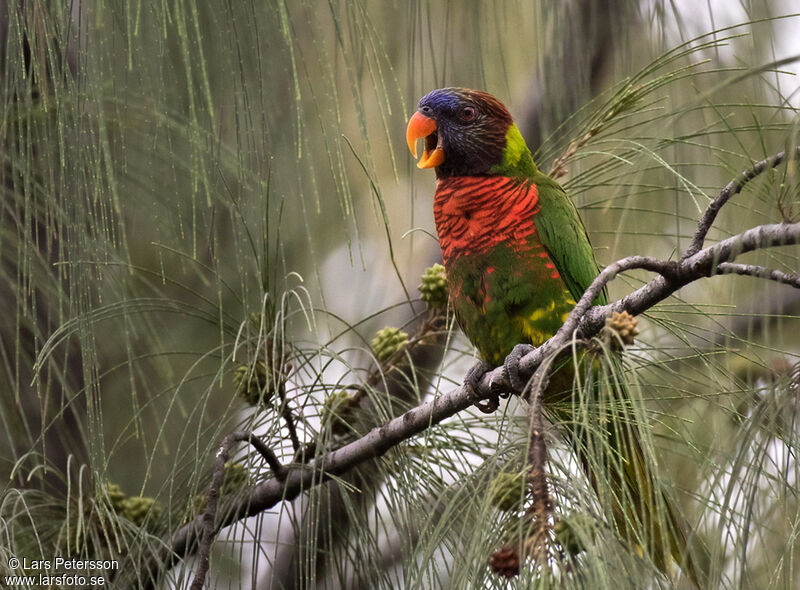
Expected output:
(563, 235)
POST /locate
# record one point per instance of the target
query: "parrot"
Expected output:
(517, 257)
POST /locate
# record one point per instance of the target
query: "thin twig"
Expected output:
(706, 262)
(269, 456)
(734, 187)
(288, 417)
(759, 272)
(664, 268)
(208, 518)
(542, 505)
(559, 166)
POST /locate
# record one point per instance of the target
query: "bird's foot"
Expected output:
(471, 381)
(511, 367)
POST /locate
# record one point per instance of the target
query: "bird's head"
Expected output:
(467, 133)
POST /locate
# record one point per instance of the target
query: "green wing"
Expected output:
(564, 237)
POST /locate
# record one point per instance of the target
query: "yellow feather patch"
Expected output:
(536, 336)
(542, 312)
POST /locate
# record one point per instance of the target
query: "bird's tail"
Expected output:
(606, 429)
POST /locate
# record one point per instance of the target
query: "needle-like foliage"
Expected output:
(210, 241)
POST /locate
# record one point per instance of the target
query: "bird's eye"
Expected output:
(426, 110)
(467, 113)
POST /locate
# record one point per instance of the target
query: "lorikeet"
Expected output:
(517, 258)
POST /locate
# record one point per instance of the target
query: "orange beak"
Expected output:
(420, 126)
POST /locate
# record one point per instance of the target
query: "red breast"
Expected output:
(475, 213)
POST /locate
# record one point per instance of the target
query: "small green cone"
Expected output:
(138, 508)
(115, 496)
(573, 531)
(387, 342)
(251, 383)
(337, 411)
(508, 490)
(433, 289)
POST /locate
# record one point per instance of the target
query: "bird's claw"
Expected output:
(511, 367)
(489, 406)
(471, 381)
